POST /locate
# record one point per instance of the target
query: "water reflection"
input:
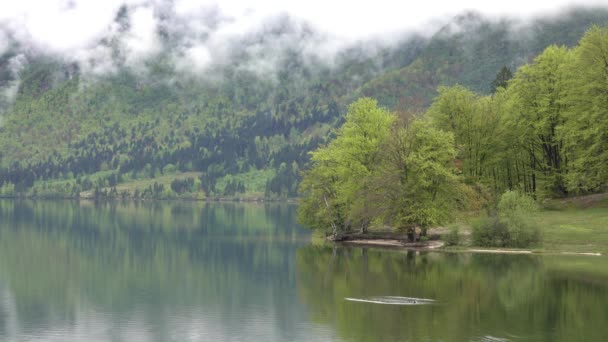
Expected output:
(149, 272)
(479, 297)
(246, 272)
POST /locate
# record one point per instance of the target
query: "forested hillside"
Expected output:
(241, 127)
(541, 134)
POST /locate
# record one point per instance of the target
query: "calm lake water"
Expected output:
(168, 271)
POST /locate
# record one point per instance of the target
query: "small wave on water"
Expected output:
(489, 338)
(393, 300)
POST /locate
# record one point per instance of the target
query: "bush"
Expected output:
(452, 238)
(522, 232)
(490, 232)
(514, 209)
(169, 168)
(515, 203)
(511, 227)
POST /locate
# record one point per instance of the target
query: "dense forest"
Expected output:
(157, 131)
(541, 133)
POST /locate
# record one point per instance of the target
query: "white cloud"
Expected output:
(57, 25)
(96, 60)
(65, 25)
(205, 28)
(141, 39)
(9, 92)
(362, 19)
(195, 58)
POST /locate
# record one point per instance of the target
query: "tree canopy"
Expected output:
(543, 133)
(379, 169)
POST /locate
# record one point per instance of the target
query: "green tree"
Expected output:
(502, 79)
(538, 107)
(334, 189)
(417, 177)
(474, 121)
(586, 128)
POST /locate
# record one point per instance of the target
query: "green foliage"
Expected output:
(512, 226)
(417, 178)
(472, 54)
(538, 112)
(586, 129)
(490, 232)
(502, 79)
(169, 168)
(516, 209)
(452, 238)
(377, 168)
(515, 203)
(544, 134)
(339, 177)
(475, 123)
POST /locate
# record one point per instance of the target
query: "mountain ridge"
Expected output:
(66, 133)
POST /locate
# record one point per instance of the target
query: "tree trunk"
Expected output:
(334, 228)
(411, 234)
(364, 227)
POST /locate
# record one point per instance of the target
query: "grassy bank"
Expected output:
(578, 225)
(574, 225)
(574, 229)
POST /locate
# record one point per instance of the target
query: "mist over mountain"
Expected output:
(179, 98)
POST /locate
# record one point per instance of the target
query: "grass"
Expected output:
(143, 183)
(254, 181)
(577, 225)
(574, 230)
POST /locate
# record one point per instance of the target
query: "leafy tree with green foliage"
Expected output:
(340, 173)
(416, 184)
(475, 123)
(538, 110)
(585, 130)
(502, 79)
(454, 110)
(380, 170)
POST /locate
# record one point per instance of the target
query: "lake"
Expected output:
(194, 271)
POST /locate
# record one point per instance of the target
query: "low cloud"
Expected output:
(104, 36)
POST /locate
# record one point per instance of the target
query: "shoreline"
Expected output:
(136, 199)
(380, 241)
(375, 239)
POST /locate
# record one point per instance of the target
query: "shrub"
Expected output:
(452, 238)
(511, 226)
(522, 232)
(514, 209)
(169, 168)
(515, 203)
(490, 232)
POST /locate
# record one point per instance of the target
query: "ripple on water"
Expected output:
(489, 338)
(393, 300)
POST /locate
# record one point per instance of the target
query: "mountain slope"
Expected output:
(471, 49)
(238, 127)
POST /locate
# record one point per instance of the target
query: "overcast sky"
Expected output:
(74, 29)
(66, 24)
